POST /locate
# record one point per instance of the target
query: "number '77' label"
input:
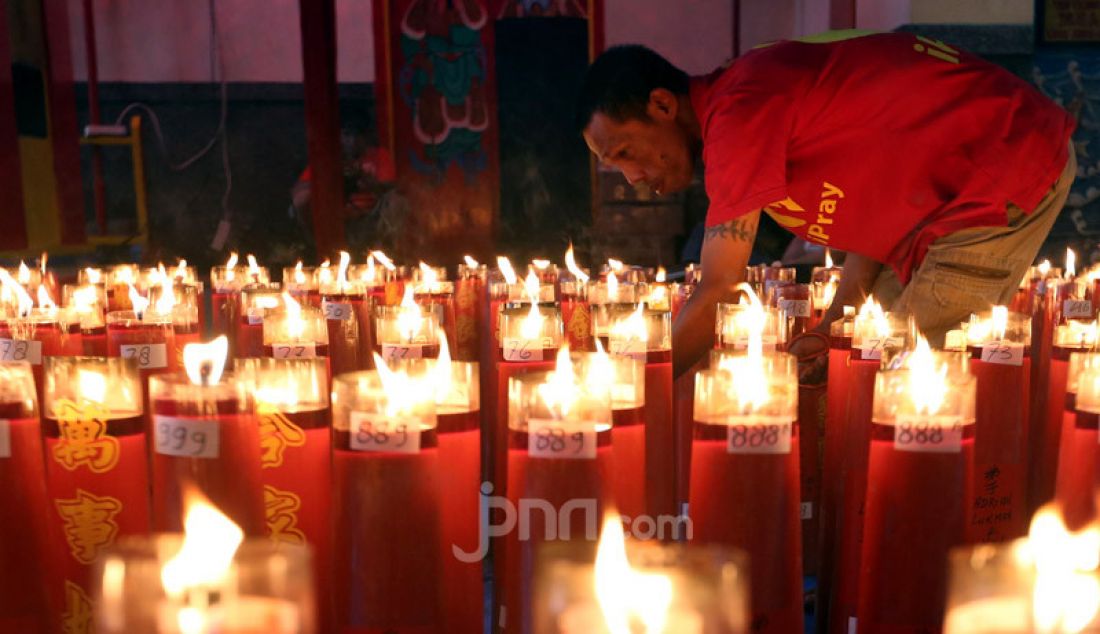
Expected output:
(561, 439)
(185, 437)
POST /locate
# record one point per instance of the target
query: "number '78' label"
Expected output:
(149, 356)
(561, 439)
(21, 350)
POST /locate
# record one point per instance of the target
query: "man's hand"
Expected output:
(726, 250)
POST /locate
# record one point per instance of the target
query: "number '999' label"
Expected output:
(561, 439)
(760, 437)
(375, 432)
(185, 437)
(929, 434)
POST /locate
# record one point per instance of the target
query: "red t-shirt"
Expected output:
(876, 145)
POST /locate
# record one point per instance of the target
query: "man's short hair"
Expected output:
(619, 82)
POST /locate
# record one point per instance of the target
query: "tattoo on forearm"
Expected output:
(737, 229)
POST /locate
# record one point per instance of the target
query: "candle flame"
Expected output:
(1044, 268)
(324, 273)
(92, 386)
(1080, 333)
(428, 275)
(630, 601)
(828, 258)
(44, 300)
(24, 276)
(540, 264)
(530, 329)
(927, 383)
(42, 263)
(299, 274)
(633, 328)
(828, 293)
(999, 322)
(383, 260)
(571, 265)
(403, 392)
(210, 540)
(1066, 592)
(94, 275)
(167, 300)
(749, 322)
(84, 299)
(871, 320)
(409, 318)
(231, 266)
(253, 268)
(441, 370)
(181, 270)
(612, 287)
(615, 265)
(23, 299)
(124, 274)
(661, 275)
(204, 362)
(139, 303)
(295, 325)
(470, 262)
(342, 269)
(505, 266)
(560, 391)
(1071, 264)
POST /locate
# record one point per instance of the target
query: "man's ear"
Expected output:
(662, 105)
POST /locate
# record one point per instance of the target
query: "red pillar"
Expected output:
(318, 22)
(13, 225)
(64, 134)
(842, 14)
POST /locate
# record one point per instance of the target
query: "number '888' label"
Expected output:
(929, 434)
(761, 436)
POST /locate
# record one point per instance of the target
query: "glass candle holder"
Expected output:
(735, 322)
(96, 465)
(149, 339)
(921, 461)
(206, 435)
(296, 333)
(118, 281)
(85, 307)
(347, 310)
(641, 333)
(257, 300)
(301, 282)
(764, 279)
(608, 299)
(24, 503)
(529, 334)
(575, 311)
(999, 346)
(703, 589)
(267, 588)
(409, 331)
(32, 338)
(559, 454)
(1075, 480)
(795, 304)
(745, 475)
(386, 488)
(292, 406)
(438, 295)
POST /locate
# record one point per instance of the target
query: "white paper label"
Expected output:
(771, 284)
(522, 349)
(1077, 309)
(375, 432)
(764, 436)
(560, 439)
(632, 348)
(336, 311)
(767, 342)
(21, 350)
(807, 510)
(186, 437)
(150, 356)
(1003, 353)
(5, 439)
(399, 352)
(294, 350)
(795, 307)
(935, 434)
(871, 347)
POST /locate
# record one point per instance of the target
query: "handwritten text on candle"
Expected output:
(21, 350)
(149, 356)
(336, 311)
(186, 437)
(928, 434)
(556, 439)
(1003, 353)
(373, 432)
(391, 352)
(764, 437)
(294, 350)
(516, 349)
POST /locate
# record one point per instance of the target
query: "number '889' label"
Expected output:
(767, 436)
(185, 437)
(375, 432)
(929, 434)
(561, 439)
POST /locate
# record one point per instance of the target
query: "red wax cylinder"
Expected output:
(96, 465)
(660, 455)
(409, 331)
(297, 332)
(855, 441)
(72, 342)
(207, 436)
(26, 551)
(836, 412)
(1047, 441)
(256, 301)
(431, 290)
(1074, 486)
(744, 479)
(148, 339)
(1043, 321)
(386, 502)
(561, 465)
(301, 283)
(470, 311)
(295, 436)
(575, 314)
(919, 469)
(347, 310)
(94, 341)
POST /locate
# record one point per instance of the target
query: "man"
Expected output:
(941, 174)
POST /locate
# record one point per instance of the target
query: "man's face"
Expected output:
(656, 151)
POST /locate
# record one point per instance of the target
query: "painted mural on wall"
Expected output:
(1073, 80)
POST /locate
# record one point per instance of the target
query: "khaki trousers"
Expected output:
(971, 270)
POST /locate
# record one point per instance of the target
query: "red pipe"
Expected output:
(98, 186)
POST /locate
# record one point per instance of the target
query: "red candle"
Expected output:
(347, 310)
(795, 308)
(296, 332)
(87, 307)
(431, 289)
(625, 377)
(608, 299)
(575, 313)
(119, 280)
(744, 477)
(683, 396)
(1074, 485)
(560, 456)
(256, 301)
(32, 338)
(410, 330)
(997, 501)
(292, 405)
(921, 464)
(735, 322)
(148, 338)
(26, 553)
(386, 501)
(470, 308)
(96, 466)
(301, 283)
(836, 413)
(205, 433)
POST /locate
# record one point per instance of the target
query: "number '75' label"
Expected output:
(185, 437)
(561, 439)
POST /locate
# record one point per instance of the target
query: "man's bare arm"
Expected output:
(726, 250)
(856, 282)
